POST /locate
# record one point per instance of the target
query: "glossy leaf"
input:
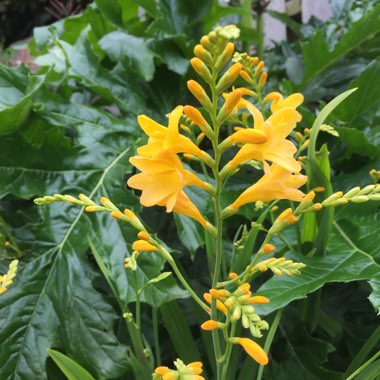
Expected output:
(69, 367)
(17, 89)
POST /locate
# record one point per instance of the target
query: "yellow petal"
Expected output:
(254, 350)
(142, 245)
(149, 126)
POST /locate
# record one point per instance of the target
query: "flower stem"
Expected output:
(156, 337)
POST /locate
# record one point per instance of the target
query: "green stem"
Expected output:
(246, 20)
(173, 264)
(269, 340)
(218, 219)
(9, 237)
(260, 30)
(156, 337)
(364, 366)
(227, 353)
(138, 303)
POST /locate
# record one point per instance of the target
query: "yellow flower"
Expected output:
(143, 245)
(275, 148)
(185, 206)
(166, 138)
(162, 181)
(253, 350)
(277, 183)
(242, 102)
(292, 101)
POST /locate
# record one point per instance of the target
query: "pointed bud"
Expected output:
(228, 78)
(225, 56)
(263, 79)
(200, 94)
(203, 54)
(268, 248)
(201, 69)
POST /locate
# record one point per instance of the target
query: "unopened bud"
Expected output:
(232, 275)
(225, 56)
(230, 103)
(206, 43)
(228, 77)
(201, 69)
(143, 235)
(203, 54)
(268, 248)
(200, 94)
(263, 79)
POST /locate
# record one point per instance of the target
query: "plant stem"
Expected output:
(364, 366)
(218, 220)
(269, 340)
(156, 337)
(138, 303)
(227, 353)
(260, 30)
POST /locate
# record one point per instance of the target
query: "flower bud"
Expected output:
(225, 56)
(200, 94)
(203, 54)
(228, 77)
(201, 69)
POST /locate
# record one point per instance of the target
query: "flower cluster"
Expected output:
(7, 279)
(236, 306)
(191, 371)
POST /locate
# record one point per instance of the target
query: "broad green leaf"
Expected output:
(344, 261)
(179, 332)
(189, 232)
(357, 142)
(69, 367)
(131, 51)
(111, 9)
(302, 354)
(17, 89)
(359, 110)
(54, 303)
(317, 56)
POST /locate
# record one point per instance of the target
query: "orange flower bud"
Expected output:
(206, 43)
(230, 103)
(258, 300)
(215, 293)
(161, 370)
(142, 245)
(245, 76)
(291, 219)
(317, 206)
(268, 248)
(232, 275)
(116, 214)
(199, 93)
(201, 69)
(225, 56)
(285, 214)
(202, 54)
(143, 235)
(263, 79)
(274, 208)
(211, 325)
(228, 77)
(253, 350)
(245, 287)
(319, 189)
(259, 68)
(129, 214)
(194, 115)
(219, 305)
(90, 208)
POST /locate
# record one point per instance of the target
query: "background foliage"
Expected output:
(70, 128)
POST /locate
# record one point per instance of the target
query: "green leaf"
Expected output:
(189, 232)
(357, 142)
(301, 354)
(132, 51)
(69, 367)
(17, 89)
(344, 261)
(317, 56)
(359, 110)
(54, 302)
(179, 332)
